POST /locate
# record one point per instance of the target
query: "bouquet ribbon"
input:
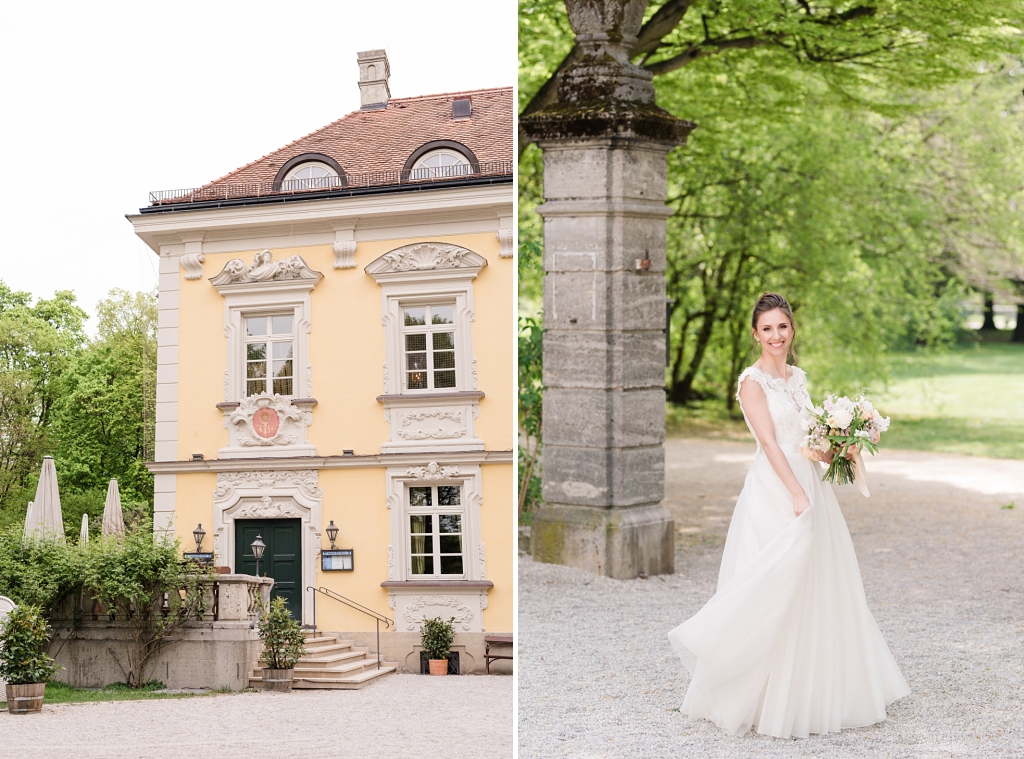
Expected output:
(861, 475)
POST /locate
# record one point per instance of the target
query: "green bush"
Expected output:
(37, 570)
(437, 637)
(130, 575)
(283, 640)
(23, 641)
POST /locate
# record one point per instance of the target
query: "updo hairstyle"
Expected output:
(770, 302)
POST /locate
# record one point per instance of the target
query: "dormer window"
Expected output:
(311, 176)
(442, 163)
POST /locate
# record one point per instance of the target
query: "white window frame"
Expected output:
(435, 510)
(461, 168)
(270, 340)
(469, 478)
(428, 329)
(329, 181)
(236, 311)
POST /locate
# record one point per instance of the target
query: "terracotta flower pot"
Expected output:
(23, 699)
(278, 679)
(438, 666)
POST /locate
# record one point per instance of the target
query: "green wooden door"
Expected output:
(282, 558)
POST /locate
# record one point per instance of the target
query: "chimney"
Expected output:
(373, 80)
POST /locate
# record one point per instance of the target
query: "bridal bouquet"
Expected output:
(836, 426)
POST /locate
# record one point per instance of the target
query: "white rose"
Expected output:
(841, 418)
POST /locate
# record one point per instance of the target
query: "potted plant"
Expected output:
(283, 644)
(24, 663)
(437, 636)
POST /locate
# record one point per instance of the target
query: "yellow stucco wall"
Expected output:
(346, 347)
(347, 353)
(355, 499)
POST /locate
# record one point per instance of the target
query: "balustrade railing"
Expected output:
(229, 190)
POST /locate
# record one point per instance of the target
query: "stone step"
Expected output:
(337, 670)
(349, 682)
(321, 640)
(332, 658)
(330, 648)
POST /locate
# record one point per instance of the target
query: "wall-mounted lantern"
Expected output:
(199, 554)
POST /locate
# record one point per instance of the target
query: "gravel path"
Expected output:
(400, 716)
(941, 561)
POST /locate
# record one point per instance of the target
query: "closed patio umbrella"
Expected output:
(113, 516)
(45, 516)
(83, 536)
(31, 524)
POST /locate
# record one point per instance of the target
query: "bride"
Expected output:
(787, 644)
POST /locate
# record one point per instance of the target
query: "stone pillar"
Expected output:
(605, 144)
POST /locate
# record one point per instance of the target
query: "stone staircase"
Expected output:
(331, 663)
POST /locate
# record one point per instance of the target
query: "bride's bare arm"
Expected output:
(755, 405)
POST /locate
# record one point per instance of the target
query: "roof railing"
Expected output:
(227, 191)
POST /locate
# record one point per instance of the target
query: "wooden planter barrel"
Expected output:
(438, 666)
(278, 679)
(24, 699)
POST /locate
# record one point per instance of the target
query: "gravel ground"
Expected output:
(400, 716)
(941, 561)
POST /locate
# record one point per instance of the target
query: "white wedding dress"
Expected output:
(787, 644)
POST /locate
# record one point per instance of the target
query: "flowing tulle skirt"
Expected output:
(787, 644)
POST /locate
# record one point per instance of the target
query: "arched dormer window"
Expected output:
(309, 171)
(441, 164)
(441, 159)
(311, 176)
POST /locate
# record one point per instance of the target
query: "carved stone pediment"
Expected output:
(264, 270)
(426, 256)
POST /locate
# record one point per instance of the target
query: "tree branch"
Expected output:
(703, 50)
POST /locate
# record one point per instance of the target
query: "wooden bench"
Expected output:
(495, 640)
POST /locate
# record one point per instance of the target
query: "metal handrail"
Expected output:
(378, 618)
(346, 181)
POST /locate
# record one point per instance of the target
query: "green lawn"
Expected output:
(62, 693)
(968, 400)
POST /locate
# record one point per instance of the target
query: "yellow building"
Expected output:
(336, 351)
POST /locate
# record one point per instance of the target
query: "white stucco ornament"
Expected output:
(425, 257)
(266, 420)
(264, 269)
(433, 471)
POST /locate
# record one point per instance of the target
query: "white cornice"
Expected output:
(332, 462)
(158, 229)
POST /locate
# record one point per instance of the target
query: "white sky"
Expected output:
(103, 102)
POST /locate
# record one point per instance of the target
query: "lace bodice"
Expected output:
(786, 401)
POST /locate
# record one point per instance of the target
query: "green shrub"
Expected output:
(437, 637)
(283, 640)
(130, 575)
(37, 570)
(23, 641)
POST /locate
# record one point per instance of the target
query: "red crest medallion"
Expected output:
(265, 423)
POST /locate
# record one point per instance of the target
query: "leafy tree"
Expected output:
(846, 155)
(38, 343)
(106, 418)
(131, 576)
(852, 45)
(530, 411)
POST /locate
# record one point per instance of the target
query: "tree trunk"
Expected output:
(989, 322)
(1018, 331)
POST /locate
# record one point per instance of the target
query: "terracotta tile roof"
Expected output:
(382, 140)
